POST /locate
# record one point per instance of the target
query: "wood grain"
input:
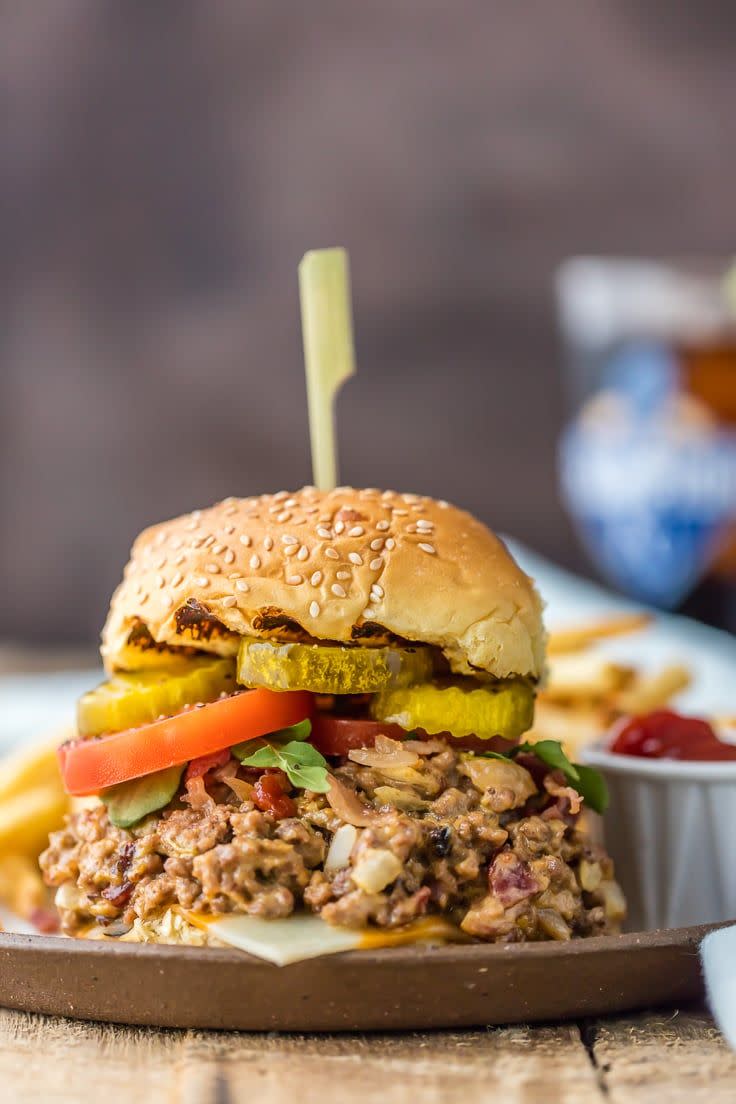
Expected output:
(675, 1057)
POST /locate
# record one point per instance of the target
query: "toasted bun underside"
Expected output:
(331, 563)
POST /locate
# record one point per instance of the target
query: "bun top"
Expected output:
(345, 565)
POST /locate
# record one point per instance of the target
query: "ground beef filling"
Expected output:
(490, 844)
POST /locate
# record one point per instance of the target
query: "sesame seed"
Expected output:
(409, 498)
(143, 599)
(209, 540)
(197, 542)
(356, 531)
(401, 513)
(218, 548)
(280, 496)
(193, 524)
(268, 543)
(229, 601)
(201, 580)
(286, 539)
(383, 526)
(355, 557)
(160, 537)
(177, 579)
(283, 516)
(323, 532)
(290, 503)
(235, 575)
(229, 529)
(339, 527)
(316, 578)
(332, 553)
(338, 591)
(139, 588)
(160, 581)
(245, 539)
(424, 523)
(160, 563)
(290, 550)
(377, 544)
(314, 609)
(175, 543)
(375, 564)
(229, 556)
(180, 559)
(390, 543)
(230, 510)
(168, 601)
(373, 597)
(367, 614)
(294, 580)
(213, 568)
(255, 561)
(377, 589)
(427, 548)
(242, 586)
(342, 574)
(444, 505)
(303, 553)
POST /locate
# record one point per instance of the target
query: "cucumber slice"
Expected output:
(504, 708)
(330, 668)
(131, 699)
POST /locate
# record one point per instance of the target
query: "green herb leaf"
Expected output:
(129, 802)
(303, 765)
(551, 753)
(592, 788)
(301, 731)
(588, 782)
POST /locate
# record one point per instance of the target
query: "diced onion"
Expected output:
(386, 753)
(348, 806)
(376, 868)
(341, 847)
(242, 789)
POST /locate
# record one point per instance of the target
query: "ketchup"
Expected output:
(667, 735)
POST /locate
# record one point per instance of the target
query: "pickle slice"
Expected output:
(505, 708)
(134, 698)
(329, 668)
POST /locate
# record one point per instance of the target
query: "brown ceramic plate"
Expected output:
(401, 988)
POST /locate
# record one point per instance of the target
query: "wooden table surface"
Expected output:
(671, 1055)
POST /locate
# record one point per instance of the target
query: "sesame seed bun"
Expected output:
(336, 566)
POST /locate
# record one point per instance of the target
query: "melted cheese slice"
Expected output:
(305, 935)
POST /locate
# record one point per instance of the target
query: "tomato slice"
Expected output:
(338, 735)
(88, 766)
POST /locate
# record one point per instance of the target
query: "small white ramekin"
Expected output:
(671, 832)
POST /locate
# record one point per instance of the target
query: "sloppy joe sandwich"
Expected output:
(315, 708)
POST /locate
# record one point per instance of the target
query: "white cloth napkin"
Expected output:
(718, 955)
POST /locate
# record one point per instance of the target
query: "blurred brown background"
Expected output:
(163, 166)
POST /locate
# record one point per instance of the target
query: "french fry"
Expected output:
(34, 766)
(585, 676)
(578, 638)
(27, 818)
(649, 692)
(21, 886)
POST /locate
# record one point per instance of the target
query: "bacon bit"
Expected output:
(118, 895)
(348, 806)
(125, 859)
(206, 763)
(269, 796)
(510, 879)
(44, 920)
